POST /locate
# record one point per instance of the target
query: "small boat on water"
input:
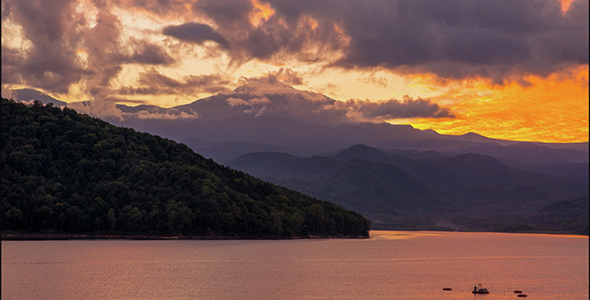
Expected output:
(518, 292)
(447, 289)
(521, 295)
(480, 290)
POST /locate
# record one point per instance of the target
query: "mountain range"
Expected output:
(391, 188)
(393, 174)
(274, 117)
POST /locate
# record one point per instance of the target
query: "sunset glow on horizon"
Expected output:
(510, 70)
(536, 111)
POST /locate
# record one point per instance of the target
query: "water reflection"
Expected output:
(400, 235)
(390, 265)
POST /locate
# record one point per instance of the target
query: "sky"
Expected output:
(505, 69)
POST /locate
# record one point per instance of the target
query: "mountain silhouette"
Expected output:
(392, 188)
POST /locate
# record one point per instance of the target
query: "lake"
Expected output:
(389, 265)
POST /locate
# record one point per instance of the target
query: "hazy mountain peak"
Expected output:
(25, 95)
(361, 151)
(254, 85)
(271, 86)
(475, 137)
(265, 97)
(470, 160)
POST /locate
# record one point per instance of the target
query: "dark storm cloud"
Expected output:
(56, 32)
(196, 33)
(280, 34)
(51, 62)
(11, 60)
(465, 38)
(496, 39)
(147, 53)
(395, 109)
(453, 39)
(153, 82)
(230, 16)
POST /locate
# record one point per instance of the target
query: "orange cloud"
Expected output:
(552, 109)
(565, 5)
(261, 12)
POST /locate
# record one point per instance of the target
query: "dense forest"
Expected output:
(71, 173)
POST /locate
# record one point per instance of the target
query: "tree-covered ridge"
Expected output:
(68, 172)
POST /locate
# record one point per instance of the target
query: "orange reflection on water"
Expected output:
(399, 235)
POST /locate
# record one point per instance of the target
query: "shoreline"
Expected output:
(154, 237)
(89, 236)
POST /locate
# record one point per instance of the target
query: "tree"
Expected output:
(111, 220)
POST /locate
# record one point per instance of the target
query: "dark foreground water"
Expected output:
(390, 265)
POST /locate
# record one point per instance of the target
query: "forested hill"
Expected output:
(70, 173)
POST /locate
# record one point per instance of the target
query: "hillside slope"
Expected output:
(67, 172)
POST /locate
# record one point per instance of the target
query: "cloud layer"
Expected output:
(60, 45)
(270, 97)
(152, 82)
(451, 39)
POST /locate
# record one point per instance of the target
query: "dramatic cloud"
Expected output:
(62, 49)
(49, 61)
(147, 53)
(452, 39)
(394, 109)
(196, 33)
(271, 84)
(288, 76)
(268, 96)
(99, 109)
(153, 82)
(499, 40)
(130, 50)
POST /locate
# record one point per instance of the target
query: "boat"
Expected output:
(521, 295)
(480, 290)
(518, 292)
(447, 289)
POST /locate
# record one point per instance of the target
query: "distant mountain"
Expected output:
(468, 174)
(415, 154)
(274, 117)
(574, 208)
(362, 152)
(277, 117)
(577, 171)
(378, 190)
(570, 214)
(67, 172)
(390, 188)
(529, 153)
(31, 95)
(430, 174)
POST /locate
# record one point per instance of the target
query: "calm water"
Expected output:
(390, 265)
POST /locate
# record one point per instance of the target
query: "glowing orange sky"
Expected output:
(553, 109)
